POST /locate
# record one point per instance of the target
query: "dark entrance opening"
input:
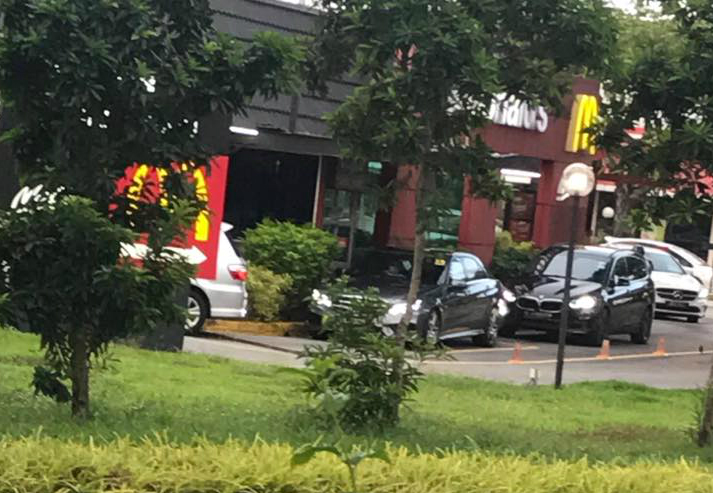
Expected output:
(265, 184)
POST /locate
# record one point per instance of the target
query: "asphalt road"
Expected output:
(684, 366)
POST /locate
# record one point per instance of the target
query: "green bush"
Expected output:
(267, 292)
(49, 466)
(304, 253)
(361, 378)
(511, 259)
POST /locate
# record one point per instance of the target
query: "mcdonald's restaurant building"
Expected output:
(284, 165)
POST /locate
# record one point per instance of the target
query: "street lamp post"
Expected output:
(577, 181)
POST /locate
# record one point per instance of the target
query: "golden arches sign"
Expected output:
(202, 226)
(585, 112)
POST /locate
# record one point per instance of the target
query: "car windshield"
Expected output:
(663, 262)
(585, 267)
(397, 268)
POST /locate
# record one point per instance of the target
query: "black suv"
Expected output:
(612, 293)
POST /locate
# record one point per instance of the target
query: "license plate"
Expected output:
(538, 315)
(678, 304)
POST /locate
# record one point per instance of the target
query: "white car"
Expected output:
(226, 295)
(678, 293)
(691, 262)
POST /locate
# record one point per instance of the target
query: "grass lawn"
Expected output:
(139, 393)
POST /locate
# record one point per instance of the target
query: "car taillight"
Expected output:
(238, 272)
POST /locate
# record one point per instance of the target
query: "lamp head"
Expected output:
(577, 181)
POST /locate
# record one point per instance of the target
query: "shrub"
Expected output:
(50, 465)
(511, 259)
(267, 292)
(304, 253)
(361, 377)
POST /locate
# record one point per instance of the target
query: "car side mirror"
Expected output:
(457, 284)
(617, 281)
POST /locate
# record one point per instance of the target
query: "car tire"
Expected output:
(509, 330)
(490, 337)
(197, 312)
(693, 320)
(643, 334)
(597, 336)
(434, 326)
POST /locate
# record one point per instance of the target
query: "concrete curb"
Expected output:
(232, 337)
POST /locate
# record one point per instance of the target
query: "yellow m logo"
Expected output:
(585, 112)
(138, 181)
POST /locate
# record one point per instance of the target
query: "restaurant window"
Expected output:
(340, 184)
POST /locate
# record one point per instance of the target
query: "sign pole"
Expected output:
(564, 314)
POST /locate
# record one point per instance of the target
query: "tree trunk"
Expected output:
(79, 373)
(622, 208)
(354, 201)
(706, 424)
(419, 247)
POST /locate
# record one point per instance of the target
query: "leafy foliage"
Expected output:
(68, 279)
(95, 87)
(432, 70)
(658, 81)
(511, 259)
(267, 292)
(304, 253)
(41, 465)
(361, 378)
(130, 84)
(349, 457)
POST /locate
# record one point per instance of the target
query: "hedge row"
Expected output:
(39, 465)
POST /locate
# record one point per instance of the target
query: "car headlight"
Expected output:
(509, 296)
(321, 299)
(584, 303)
(399, 309)
(703, 293)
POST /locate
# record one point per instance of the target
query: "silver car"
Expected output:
(222, 297)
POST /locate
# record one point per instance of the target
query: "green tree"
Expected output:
(639, 87)
(431, 70)
(663, 78)
(96, 86)
(690, 126)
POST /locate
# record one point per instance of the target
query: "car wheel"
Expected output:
(197, 312)
(509, 329)
(434, 325)
(596, 337)
(644, 332)
(490, 337)
(693, 320)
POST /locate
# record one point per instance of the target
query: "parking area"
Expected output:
(688, 348)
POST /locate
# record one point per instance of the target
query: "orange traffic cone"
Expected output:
(516, 355)
(661, 348)
(604, 351)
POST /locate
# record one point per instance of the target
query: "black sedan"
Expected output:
(458, 297)
(612, 293)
